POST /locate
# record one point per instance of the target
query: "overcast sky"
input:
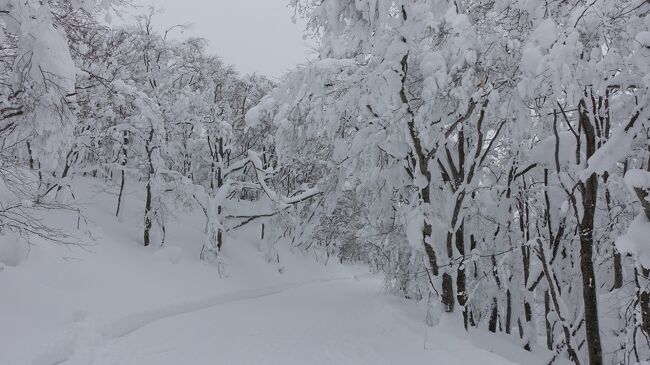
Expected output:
(254, 35)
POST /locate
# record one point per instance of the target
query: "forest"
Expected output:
(487, 160)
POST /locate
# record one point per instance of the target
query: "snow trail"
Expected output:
(320, 322)
(60, 353)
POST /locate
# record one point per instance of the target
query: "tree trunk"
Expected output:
(149, 198)
(219, 186)
(31, 157)
(525, 261)
(494, 317)
(618, 269)
(119, 197)
(549, 328)
(123, 159)
(554, 296)
(461, 284)
(147, 216)
(508, 312)
(420, 165)
(643, 291)
(589, 190)
(447, 292)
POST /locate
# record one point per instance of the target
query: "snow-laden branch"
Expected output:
(235, 167)
(635, 241)
(281, 200)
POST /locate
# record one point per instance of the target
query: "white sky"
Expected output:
(253, 35)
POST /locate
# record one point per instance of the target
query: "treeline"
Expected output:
(127, 105)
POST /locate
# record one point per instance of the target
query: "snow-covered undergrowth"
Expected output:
(104, 298)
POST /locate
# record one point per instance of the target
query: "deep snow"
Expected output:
(111, 301)
(331, 322)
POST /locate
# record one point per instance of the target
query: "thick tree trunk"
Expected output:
(590, 298)
(494, 316)
(447, 292)
(589, 190)
(461, 280)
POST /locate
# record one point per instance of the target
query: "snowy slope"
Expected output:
(111, 301)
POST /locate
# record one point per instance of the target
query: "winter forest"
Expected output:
(442, 182)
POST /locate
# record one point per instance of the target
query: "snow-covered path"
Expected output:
(328, 322)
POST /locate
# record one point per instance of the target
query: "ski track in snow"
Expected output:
(61, 352)
(314, 322)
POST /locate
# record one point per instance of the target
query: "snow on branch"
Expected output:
(635, 241)
(283, 201)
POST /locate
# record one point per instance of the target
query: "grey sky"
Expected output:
(254, 35)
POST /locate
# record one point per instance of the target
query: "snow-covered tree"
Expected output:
(489, 140)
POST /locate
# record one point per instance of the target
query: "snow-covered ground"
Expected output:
(343, 321)
(111, 301)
